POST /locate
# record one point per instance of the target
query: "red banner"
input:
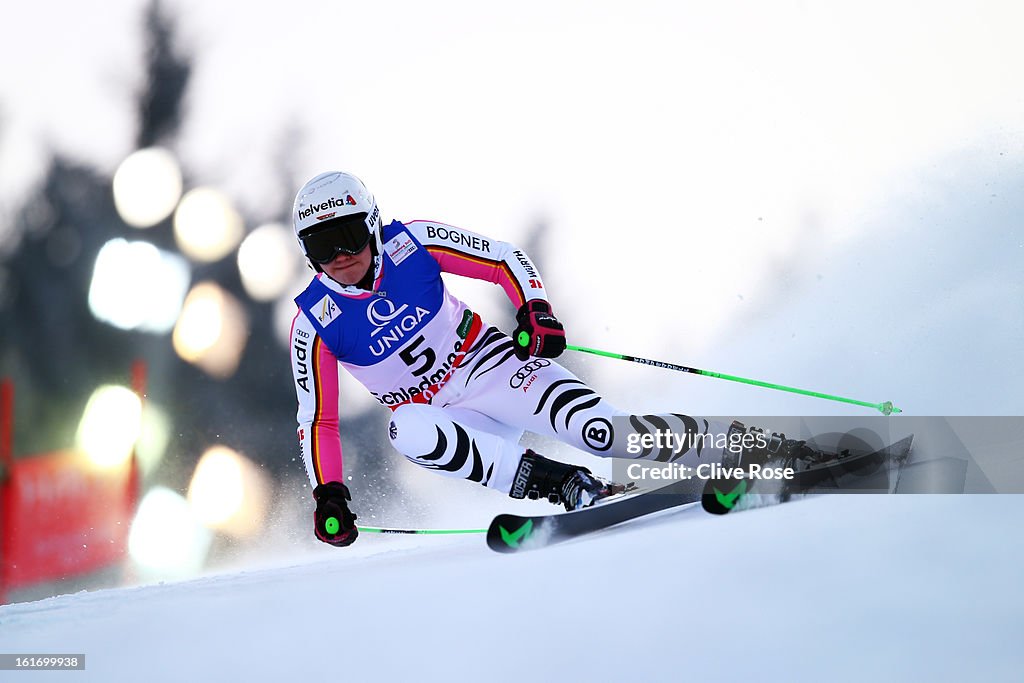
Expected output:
(63, 517)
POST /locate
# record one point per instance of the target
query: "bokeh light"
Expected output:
(136, 286)
(228, 492)
(285, 308)
(267, 261)
(212, 330)
(166, 538)
(206, 225)
(110, 426)
(147, 187)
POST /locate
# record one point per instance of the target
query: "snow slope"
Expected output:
(857, 588)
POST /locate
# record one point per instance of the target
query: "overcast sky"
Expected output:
(710, 173)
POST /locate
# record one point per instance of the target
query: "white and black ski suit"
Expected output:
(461, 400)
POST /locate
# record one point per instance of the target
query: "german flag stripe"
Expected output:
(501, 273)
(316, 445)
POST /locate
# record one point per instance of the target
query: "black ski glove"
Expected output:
(333, 522)
(539, 333)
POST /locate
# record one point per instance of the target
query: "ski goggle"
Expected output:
(343, 235)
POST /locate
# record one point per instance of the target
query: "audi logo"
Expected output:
(523, 373)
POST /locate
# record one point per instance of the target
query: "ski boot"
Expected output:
(746, 447)
(573, 486)
(749, 446)
(855, 462)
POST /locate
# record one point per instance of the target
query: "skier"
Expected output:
(462, 392)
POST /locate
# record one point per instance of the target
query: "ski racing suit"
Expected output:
(461, 399)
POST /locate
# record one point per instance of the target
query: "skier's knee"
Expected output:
(406, 430)
(412, 432)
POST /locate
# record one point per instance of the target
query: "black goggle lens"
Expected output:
(345, 235)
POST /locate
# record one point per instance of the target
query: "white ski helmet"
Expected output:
(331, 202)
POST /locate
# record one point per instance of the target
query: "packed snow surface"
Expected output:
(829, 588)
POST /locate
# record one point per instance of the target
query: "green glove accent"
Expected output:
(523, 339)
(332, 525)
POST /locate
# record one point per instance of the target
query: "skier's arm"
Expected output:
(315, 372)
(462, 252)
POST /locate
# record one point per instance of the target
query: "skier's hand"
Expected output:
(539, 333)
(333, 522)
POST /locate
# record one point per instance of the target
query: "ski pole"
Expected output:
(381, 530)
(332, 525)
(886, 408)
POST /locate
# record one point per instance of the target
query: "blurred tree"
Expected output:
(57, 352)
(167, 76)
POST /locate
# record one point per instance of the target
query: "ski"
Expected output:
(516, 533)
(867, 471)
